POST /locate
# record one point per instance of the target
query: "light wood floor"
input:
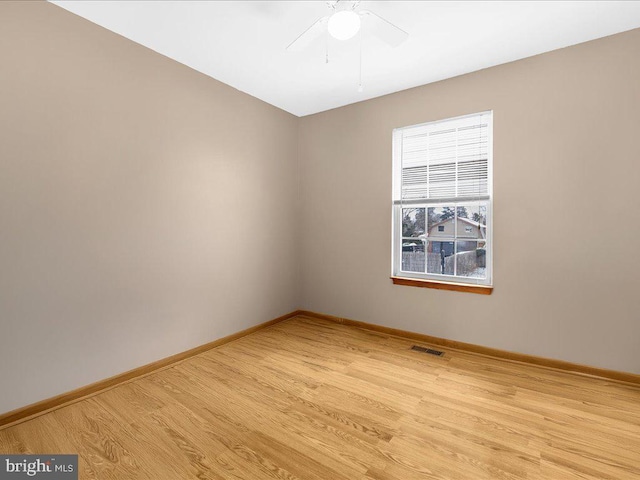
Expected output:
(312, 399)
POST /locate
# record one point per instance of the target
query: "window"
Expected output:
(442, 188)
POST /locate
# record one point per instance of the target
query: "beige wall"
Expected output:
(566, 150)
(144, 208)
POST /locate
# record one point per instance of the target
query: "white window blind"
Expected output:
(447, 160)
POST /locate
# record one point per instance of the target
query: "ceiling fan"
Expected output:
(344, 22)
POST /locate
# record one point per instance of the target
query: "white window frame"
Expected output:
(398, 204)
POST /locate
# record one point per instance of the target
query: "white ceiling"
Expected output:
(242, 43)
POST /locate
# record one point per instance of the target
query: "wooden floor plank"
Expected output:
(311, 399)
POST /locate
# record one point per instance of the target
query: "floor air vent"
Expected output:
(430, 351)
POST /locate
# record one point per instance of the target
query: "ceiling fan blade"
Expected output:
(309, 35)
(384, 30)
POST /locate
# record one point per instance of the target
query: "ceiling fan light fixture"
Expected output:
(344, 25)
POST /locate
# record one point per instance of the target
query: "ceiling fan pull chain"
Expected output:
(326, 43)
(360, 73)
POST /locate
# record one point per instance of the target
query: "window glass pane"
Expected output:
(471, 259)
(440, 222)
(472, 221)
(413, 220)
(413, 255)
(437, 254)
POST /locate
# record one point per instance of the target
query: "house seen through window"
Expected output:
(442, 200)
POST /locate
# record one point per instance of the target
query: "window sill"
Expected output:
(457, 287)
